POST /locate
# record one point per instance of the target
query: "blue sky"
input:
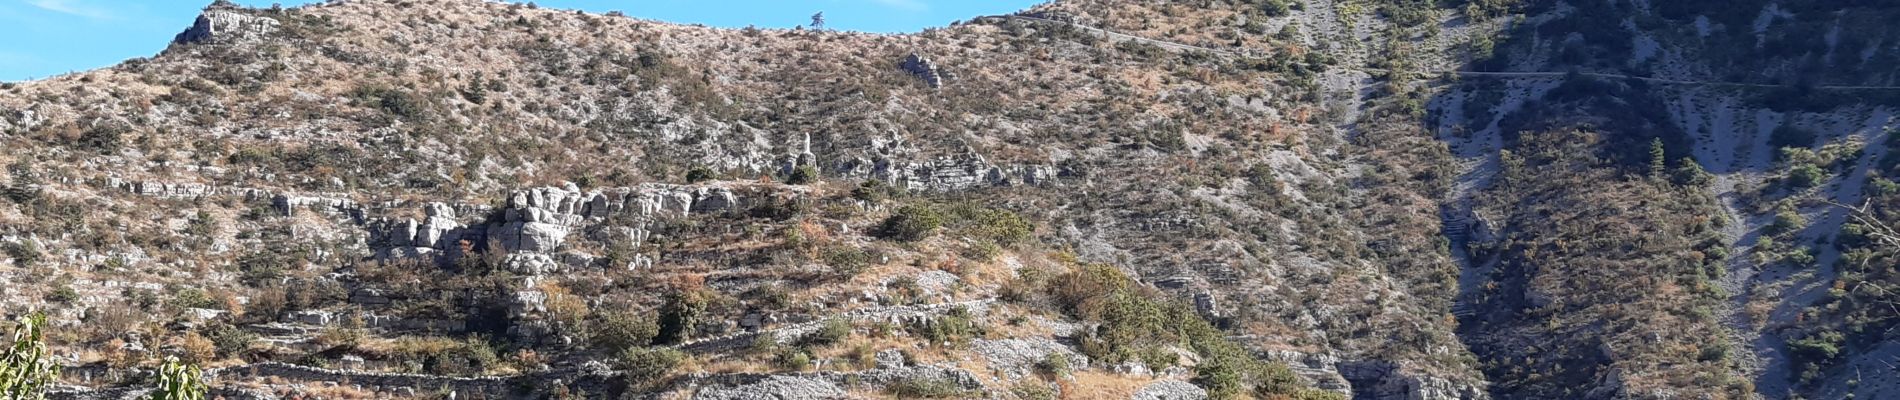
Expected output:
(51, 37)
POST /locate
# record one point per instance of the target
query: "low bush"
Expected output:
(648, 364)
(911, 223)
(953, 328)
(619, 331)
(918, 388)
(792, 359)
(834, 331)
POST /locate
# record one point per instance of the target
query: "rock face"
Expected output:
(1383, 380)
(948, 173)
(533, 226)
(537, 220)
(223, 25)
(172, 190)
(437, 233)
(924, 69)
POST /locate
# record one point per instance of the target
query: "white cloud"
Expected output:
(75, 8)
(906, 5)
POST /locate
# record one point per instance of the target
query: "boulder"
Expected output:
(534, 237)
(531, 264)
(714, 199)
(526, 303)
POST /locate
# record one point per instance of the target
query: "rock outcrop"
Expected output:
(1384, 380)
(965, 170)
(438, 232)
(533, 226)
(921, 66)
(223, 24)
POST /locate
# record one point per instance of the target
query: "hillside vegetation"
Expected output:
(1270, 199)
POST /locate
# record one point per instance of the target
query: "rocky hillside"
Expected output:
(1088, 199)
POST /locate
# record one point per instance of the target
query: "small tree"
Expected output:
(1658, 161)
(680, 315)
(1690, 173)
(25, 367)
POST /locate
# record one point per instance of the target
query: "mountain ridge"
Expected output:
(457, 188)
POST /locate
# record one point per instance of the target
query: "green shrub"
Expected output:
(999, 226)
(473, 356)
(700, 174)
(848, 261)
(193, 298)
(1787, 220)
(1275, 8)
(1806, 176)
(390, 100)
(804, 174)
(25, 253)
(918, 388)
(1713, 352)
(230, 340)
(1817, 350)
(1055, 364)
(1133, 322)
(912, 223)
(105, 138)
(834, 331)
(954, 328)
(62, 294)
(618, 331)
(872, 190)
(1032, 390)
(679, 317)
(1690, 173)
(763, 343)
(792, 359)
(1222, 380)
(647, 364)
